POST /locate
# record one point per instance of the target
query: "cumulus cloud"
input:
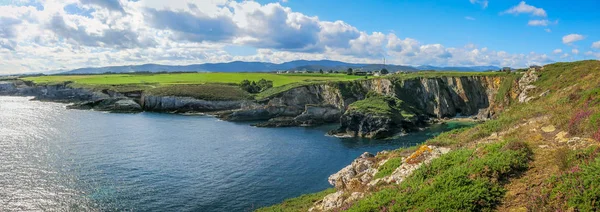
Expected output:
(275, 26)
(179, 32)
(114, 5)
(570, 38)
(596, 45)
(557, 51)
(469, 18)
(105, 38)
(193, 27)
(524, 8)
(575, 51)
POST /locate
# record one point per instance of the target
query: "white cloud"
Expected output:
(564, 56)
(483, 3)
(557, 51)
(570, 38)
(575, 51)
(179, 32)
(469, 18)
(596, 45)
(538, 23)
(526, 9)
(548, 30)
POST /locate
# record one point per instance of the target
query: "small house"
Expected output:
(506, 69)
(536, 67)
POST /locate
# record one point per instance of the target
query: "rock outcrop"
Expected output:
(114, 105)
(526, 85)
(355, 181)
(185, 104)
(436, 98)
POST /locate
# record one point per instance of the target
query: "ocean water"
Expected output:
(54, 159)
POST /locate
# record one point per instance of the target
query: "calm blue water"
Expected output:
(57, 159)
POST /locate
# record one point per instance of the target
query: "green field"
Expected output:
(178, 84)
(189, 78)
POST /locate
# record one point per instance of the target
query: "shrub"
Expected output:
(576, 119)
(462, 180)
(254, 87)
(580, 187)
(302, 203)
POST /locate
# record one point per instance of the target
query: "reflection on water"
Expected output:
(57, 159)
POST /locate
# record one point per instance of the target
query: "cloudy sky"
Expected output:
(40, 36)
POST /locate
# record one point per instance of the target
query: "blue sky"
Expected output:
(41, 36)
(444, 22)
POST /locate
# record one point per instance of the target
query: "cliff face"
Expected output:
(185, 104)
(302, 106)
(435, 97)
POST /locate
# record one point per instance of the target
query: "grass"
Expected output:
(302, 203)
(189, 78)
(505, 87)
(463, 180)
(388, 167)
(216, 92)
(576, 187)
(382, 105)
(281, 82)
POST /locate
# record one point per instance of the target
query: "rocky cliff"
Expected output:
(314, 104)
(185, 104)
(438, 97)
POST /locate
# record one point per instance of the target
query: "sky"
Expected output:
(49, 35)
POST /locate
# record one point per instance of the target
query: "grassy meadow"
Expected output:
(190, 78)
(203, 85)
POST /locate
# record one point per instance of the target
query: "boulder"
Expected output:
(315, 115)
(361, 169)
(114, 105)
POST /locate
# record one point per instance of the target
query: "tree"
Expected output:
(349, 71)
(254, 87)
(264, 84)
(321, 71)
(384, 71)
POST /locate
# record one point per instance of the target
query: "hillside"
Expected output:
(239, 66)
(539, 154)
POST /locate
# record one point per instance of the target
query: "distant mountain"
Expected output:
(239, 66)
(466, 68)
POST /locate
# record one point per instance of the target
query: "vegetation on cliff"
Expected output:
(301, 203)
(215, 92)
(383, 106)
(540, 155)
(281, 82)
(463, 180)
(189, 78)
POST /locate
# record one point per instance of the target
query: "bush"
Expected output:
(302, 203)
(254, 87)
(580, 187)
(462, 180)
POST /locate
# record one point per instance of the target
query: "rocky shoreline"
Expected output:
(307, 105)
